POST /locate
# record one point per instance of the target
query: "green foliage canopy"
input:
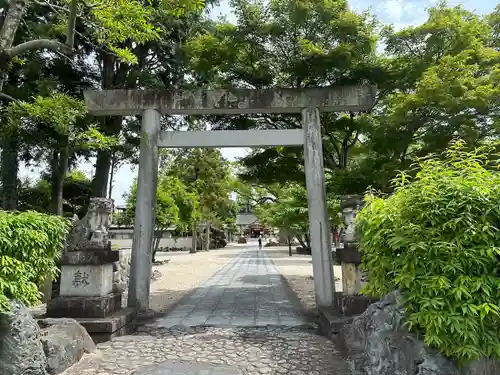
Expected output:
(37, 196)
(208, 175)
(289, 210)
(175, 205)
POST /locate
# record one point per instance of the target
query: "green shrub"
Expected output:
(437, 240)
(30, 242)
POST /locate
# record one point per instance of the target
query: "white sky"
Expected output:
(400, 13)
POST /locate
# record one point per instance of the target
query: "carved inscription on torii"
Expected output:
(230, 101)
(236, 99)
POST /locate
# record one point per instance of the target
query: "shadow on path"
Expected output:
(248, 292)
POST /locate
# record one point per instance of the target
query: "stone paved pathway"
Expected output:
(248, 291)
(256, 328)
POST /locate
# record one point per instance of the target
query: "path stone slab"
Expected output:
(248, 291)
(186, 368)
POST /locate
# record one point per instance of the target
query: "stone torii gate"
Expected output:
(152, 103)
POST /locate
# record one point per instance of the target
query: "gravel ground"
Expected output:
(184, 273)
(298, 272)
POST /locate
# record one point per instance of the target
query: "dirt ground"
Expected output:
(184, 273)
(298, 272)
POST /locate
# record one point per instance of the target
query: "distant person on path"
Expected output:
(260, 241)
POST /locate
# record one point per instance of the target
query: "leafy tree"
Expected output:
(111, 25)
(112, 32)
(58, 115)
(207, 174)
(249, 196)
(437, 239)
(175, 206)
(289, 212)
(286, 43)
(443, 72)
(37, 196)
(321, 43)
(162, 64)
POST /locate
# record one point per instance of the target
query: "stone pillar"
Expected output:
(319, 228)
(46, 288)
(142, 243)
(349, 256)
(86, 291)
(207, 237)
(194, 230)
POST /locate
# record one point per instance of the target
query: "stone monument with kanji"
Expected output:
(86, 292)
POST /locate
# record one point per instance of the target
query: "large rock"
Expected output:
(377, 344)
(64, 341)
(21, 351)
(483, 366)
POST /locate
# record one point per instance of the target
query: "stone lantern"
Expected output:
(349, 257)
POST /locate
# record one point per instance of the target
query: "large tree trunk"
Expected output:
(112, 175)
(308, 242)
(102, 169)
(8, 33)
(60, 162)
(110, 126)
(306, 245)
(156, 242)
(115, 76)
(10, 167)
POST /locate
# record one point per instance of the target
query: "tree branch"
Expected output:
(330, 161)
(37, 44)
(7, 97)
(11, 23)
(354, 140)
(54, 7)
(70, 33)
(335, 140)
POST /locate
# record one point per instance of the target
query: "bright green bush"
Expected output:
(30, 242)
(437, 239)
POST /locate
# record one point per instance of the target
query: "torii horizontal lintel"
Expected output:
(230, 101)
(231, 138)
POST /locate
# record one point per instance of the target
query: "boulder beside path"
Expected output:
(376, 343)
(44, 347)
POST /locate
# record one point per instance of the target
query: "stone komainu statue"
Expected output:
(91, 231)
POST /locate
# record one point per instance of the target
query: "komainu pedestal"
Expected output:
(87, 278)
(350, 301)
